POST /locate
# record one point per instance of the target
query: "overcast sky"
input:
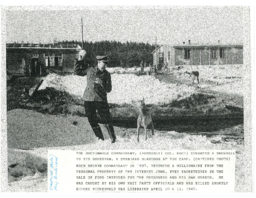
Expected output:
(140, 24)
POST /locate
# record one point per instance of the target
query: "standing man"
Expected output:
(95, 98)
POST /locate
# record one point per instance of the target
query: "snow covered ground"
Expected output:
(236, 87)
(131, 70)
(215, 73)
(125, 88)
(128, 87)
(59, 133)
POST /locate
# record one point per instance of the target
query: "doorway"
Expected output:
(56, 60)
(34, 68)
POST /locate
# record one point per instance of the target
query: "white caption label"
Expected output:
(141, 171)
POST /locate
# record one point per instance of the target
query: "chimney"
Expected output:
(189, 42)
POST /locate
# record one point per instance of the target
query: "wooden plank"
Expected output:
(36, 86)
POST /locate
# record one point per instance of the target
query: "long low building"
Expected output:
(35, 60)
(198, 54)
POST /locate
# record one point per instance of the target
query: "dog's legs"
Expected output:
(146, 132)
(138, 131)
(152, 128)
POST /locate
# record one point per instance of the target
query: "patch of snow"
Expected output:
(125, 88)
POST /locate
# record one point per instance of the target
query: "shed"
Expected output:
(35, 60)
(198, 54)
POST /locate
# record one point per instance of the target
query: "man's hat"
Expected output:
(104, 58)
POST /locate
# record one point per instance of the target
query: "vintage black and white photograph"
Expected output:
(112, 78)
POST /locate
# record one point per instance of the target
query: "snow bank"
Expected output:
(132, 69)
(121, 70)
(131, 87)
(146, 69)
(231, 88)
(126, 88)
(215, 73)
(112, 70)
(72, 84)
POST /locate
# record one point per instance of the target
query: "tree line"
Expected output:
(127, 54)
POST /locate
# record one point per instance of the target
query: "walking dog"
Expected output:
(144, 118)
(194, 74)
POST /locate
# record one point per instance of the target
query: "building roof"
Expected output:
(48, 48)
(206, 45)
(157, 48)
(43, 45)
(197, 45)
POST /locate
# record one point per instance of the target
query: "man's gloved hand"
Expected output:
(81, 55)
(98, 81)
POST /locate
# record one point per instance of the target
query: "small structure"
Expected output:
(198, 54)
(36, 59)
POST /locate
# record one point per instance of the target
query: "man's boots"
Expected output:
(97, 131)
(111, 132)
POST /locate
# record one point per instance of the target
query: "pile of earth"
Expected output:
(53, 101)
(48, 100)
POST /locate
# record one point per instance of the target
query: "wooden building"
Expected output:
(198, 54)
(36, 60)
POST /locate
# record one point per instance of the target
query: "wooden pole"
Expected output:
(209, 56)
(226, 55)
(218, 55)
(82, 33)
(192, 56)
(200, 56)
(156, 54)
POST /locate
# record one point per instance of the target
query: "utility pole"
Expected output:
(82, 33)
(156, 54)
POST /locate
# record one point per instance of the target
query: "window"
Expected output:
(46, 61)
(222, 53)
(161, 54)
(213, 53)
(58, 59)
(35, 56)
(187, 54)
(53, 60)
